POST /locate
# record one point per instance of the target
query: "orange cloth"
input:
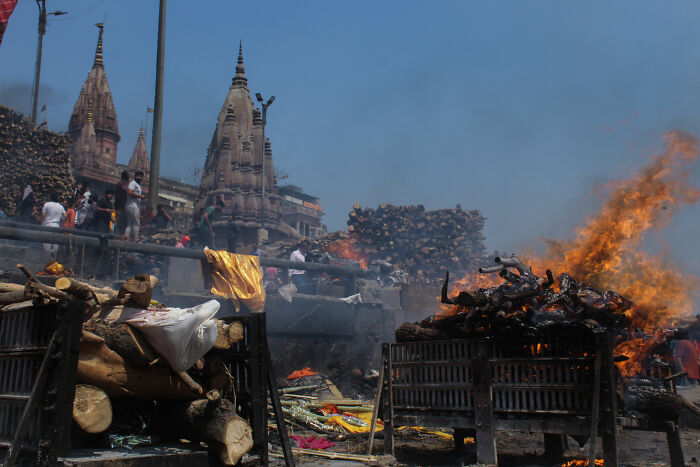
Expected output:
(237, 277)
(69, 221)
(686, 356)
(301, 373)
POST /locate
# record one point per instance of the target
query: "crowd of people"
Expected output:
(117, 211)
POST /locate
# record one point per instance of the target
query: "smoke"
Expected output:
(607, 250)
(18, 96)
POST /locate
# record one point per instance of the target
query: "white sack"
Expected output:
(181, 336)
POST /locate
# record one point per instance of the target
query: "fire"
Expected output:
(582, 463)
(347, 249)
(636, 350)
(606, 252)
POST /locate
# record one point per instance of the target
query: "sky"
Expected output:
(518, 109)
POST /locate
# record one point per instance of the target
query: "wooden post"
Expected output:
(375, 412)
(675, 447)
(483, 410)
(595, 410)
(608, 416)
(279, 415)
(387, 406)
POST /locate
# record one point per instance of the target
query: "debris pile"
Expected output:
(26, 152)
(423, 243)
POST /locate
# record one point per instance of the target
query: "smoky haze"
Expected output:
(519, 109)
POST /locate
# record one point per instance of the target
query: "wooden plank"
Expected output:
(388, 401)
(483, 412)
(593, 438)
(375, 411)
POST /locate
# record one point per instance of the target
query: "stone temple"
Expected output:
(233, 169)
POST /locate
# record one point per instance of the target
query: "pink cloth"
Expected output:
(312, 442)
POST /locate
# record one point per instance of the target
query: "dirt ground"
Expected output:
(635, 448)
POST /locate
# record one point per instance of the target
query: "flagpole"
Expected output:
(158, 112)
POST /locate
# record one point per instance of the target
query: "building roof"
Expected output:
(139, 158)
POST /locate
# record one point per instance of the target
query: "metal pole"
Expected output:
(37, 72)
(158, 112)
(262, 199)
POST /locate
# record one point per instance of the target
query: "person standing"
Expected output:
(103, 212)
(205, 228)
(28, 203)
(298, 276)
(133, 209)
(52, 214)
(120, 195)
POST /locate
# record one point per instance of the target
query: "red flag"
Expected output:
(6, 9)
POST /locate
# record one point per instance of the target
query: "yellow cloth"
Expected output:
(353, 428)
(237, 277)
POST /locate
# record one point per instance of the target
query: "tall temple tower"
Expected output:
(139, 158)
(233, 167)
(93, 128)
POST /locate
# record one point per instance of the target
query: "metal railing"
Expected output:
(79, 238)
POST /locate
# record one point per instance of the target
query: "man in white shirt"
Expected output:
(297, 275)
(132, 209)
(52, 214)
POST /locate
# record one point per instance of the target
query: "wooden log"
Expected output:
(102, 367)
(228, 334)
(6, 287)
(16, 296)
(214, 422)
(410, 332)
(92, 409)
(140, 288)
(128, 342)
(79, 290)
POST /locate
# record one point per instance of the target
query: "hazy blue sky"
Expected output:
(517, 108)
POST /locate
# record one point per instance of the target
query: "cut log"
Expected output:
(215, 374)
(228, 334)
(216, 423)
(9, 287)
(102, 367)
(16, 296)
(77, 289)
(140, 288)
(92, 409)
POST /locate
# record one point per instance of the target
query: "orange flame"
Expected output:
(606, 252)
(582, 463)
(346, 249)
(636, 350)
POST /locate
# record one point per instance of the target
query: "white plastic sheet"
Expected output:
(181, 336)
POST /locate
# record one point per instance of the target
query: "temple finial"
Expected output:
(239, 78)
(141, 133)
(98, 51)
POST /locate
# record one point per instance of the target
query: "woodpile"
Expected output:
(522, 304)
(423, 243)
(116, 362)
(27, 152)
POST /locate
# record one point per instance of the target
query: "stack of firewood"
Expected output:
(27, 152)
(117, 363)
(424, 243)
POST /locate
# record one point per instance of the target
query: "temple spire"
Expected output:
(240, 78)
(98, 51)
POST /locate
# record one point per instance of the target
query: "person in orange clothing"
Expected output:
(685, 356)
(69, 221)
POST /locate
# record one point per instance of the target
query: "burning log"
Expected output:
(522, 301)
